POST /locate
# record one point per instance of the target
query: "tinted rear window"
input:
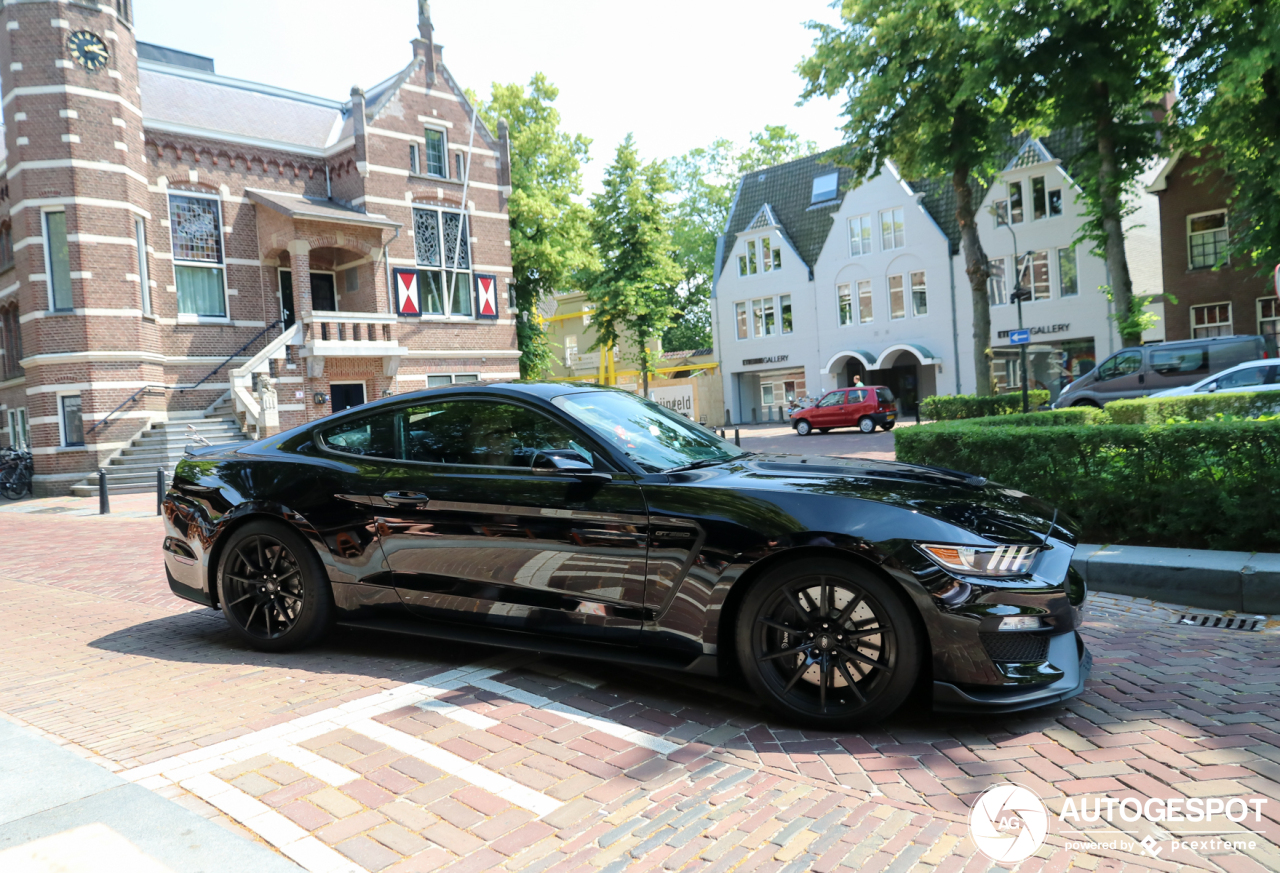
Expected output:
(886, 396)
(1184, 360)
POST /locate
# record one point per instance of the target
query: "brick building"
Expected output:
(169, 236)
(1195, 222)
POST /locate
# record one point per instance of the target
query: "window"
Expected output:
(741, 317)
(777, 258)
(835, 398)
(59, 261)
(1123, 364)
(766, 253)
(1207, 238)
(72, 422)
(856, 397)
(570, 350)
(766, 394)
(770, 327)
(457, 166)
(742, 265)
(439, 381)
(1055, 202)
(434, 153)
(467, 377)
(6, 246)
(892, 231)
(865, 313)
(1180, 361)
(373, 435)
(440, 240)
(196, 232)
(919, 294)
(1040, 276)
(413, 159)
(996, 290)
(884, 395)
(1002, 212)
(480, 433)
(350, 280)
(1211, 320)
(19, 435)
(1015, 202)
(860, 236)
(846, 304)
(1268, 321)
(1247, 377)
(825, 188)
(11, 337)
(897, 299)
(1067, 283)
(144, 278)
(124, 9)
(789, 391)
(784, 307)
(751, 257)
(1039, 208)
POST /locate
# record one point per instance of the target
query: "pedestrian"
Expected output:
(857, 382)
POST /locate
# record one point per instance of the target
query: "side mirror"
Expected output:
(567, 462)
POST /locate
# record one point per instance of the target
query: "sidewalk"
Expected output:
(59, 811)
(1247, 582)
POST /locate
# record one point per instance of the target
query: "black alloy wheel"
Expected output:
(272, 589)
(827, 644)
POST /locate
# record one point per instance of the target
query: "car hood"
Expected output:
(979, 507)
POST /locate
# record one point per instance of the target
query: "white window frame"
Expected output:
(1022, 202)
(415, 158)
(1270, 298)
(742, 320)
(863, 223)
(1230, 322)
(19, 428)
(911, 291)
(1075, 258)
(570, 349)
(842, 295)
(903, 291)
(59, 396)
(444, 145)
(48, 258)
(364, 388)
(144, 272)
(766, 254)
(815, 190)
(187, 317)
(337, 307)
(783, 330)
(466, 287)
(871, 299)
(1003, 280)
(752, 262)
(1226, 229)
(1031, 276)
(894, 212)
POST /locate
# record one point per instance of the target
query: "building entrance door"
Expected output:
(346, 396)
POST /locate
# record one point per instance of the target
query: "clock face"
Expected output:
(88, 49)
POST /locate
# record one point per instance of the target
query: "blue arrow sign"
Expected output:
(1019, 337)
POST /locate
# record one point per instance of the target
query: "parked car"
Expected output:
(1143, 370)
(864, 407)
(586, 521)
(1261, 375)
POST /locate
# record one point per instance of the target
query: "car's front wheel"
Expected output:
(866, 425)
(273, 588)
(803, 427)
(827, 644)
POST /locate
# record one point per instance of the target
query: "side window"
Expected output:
(1123, 364)
(1246, 377)
(857, 397)
(482, 433)
(1183, 361)
(372, 435)
(835, 398)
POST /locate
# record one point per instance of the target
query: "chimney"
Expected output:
(357, 130)
(424, 46)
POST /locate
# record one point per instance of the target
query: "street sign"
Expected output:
(1019, 337)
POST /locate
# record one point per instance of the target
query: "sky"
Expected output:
(678, 76)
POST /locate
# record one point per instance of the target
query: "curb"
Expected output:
(1236, 581)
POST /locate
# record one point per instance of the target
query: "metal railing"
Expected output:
(209, 375)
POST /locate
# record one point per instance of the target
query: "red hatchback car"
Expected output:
(863, 407)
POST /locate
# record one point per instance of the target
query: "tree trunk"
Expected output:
(1111, 202)
(979, 270)
(645, 362)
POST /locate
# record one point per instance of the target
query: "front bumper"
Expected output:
(1067, 652)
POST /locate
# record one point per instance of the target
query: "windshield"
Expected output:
(653, 437)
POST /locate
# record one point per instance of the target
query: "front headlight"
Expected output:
(993, 561)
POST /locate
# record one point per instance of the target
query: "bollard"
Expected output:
(159, 489)
(104, 502)
(737, 438)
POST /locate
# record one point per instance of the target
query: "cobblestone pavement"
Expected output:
(369, 753)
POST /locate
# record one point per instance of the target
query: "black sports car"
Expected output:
(588, 521)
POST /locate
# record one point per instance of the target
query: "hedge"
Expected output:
(1076, 415)
(954, 407)
(1193, 407)
(1196, 485)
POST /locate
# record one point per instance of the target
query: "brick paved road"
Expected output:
(404, 754)
(847, 442)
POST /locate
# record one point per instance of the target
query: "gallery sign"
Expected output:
(776, 359)
(1036, 331)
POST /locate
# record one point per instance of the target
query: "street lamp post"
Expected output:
(1019, 294)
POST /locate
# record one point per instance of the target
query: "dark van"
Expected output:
(1143, 370)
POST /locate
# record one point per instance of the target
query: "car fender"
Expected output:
(220, 532)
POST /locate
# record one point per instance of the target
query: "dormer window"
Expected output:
(1015, 203)
(825, 188)
(770, 257)
(1045, 202)
(766, 254)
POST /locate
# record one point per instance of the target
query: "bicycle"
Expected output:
(15, 473)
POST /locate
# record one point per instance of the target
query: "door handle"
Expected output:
(405, 497)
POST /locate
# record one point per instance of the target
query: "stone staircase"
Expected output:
(162, 445)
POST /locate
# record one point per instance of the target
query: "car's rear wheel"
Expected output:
(888, 425)
(803, 427)
(273, 588)
(1085, 403)
(866, 425)
(827, 644)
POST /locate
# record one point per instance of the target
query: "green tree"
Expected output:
(705, 182)
(1101, 67)
(919, 79)
(632, 288)
(1228, 110)
(549, 237)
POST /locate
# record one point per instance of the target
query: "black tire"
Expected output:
(273, 589)
(824, 430)
(1085, 403)
(803, 428)
(781, 614)
(888, 425)
(866, 424)
(16, 485)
